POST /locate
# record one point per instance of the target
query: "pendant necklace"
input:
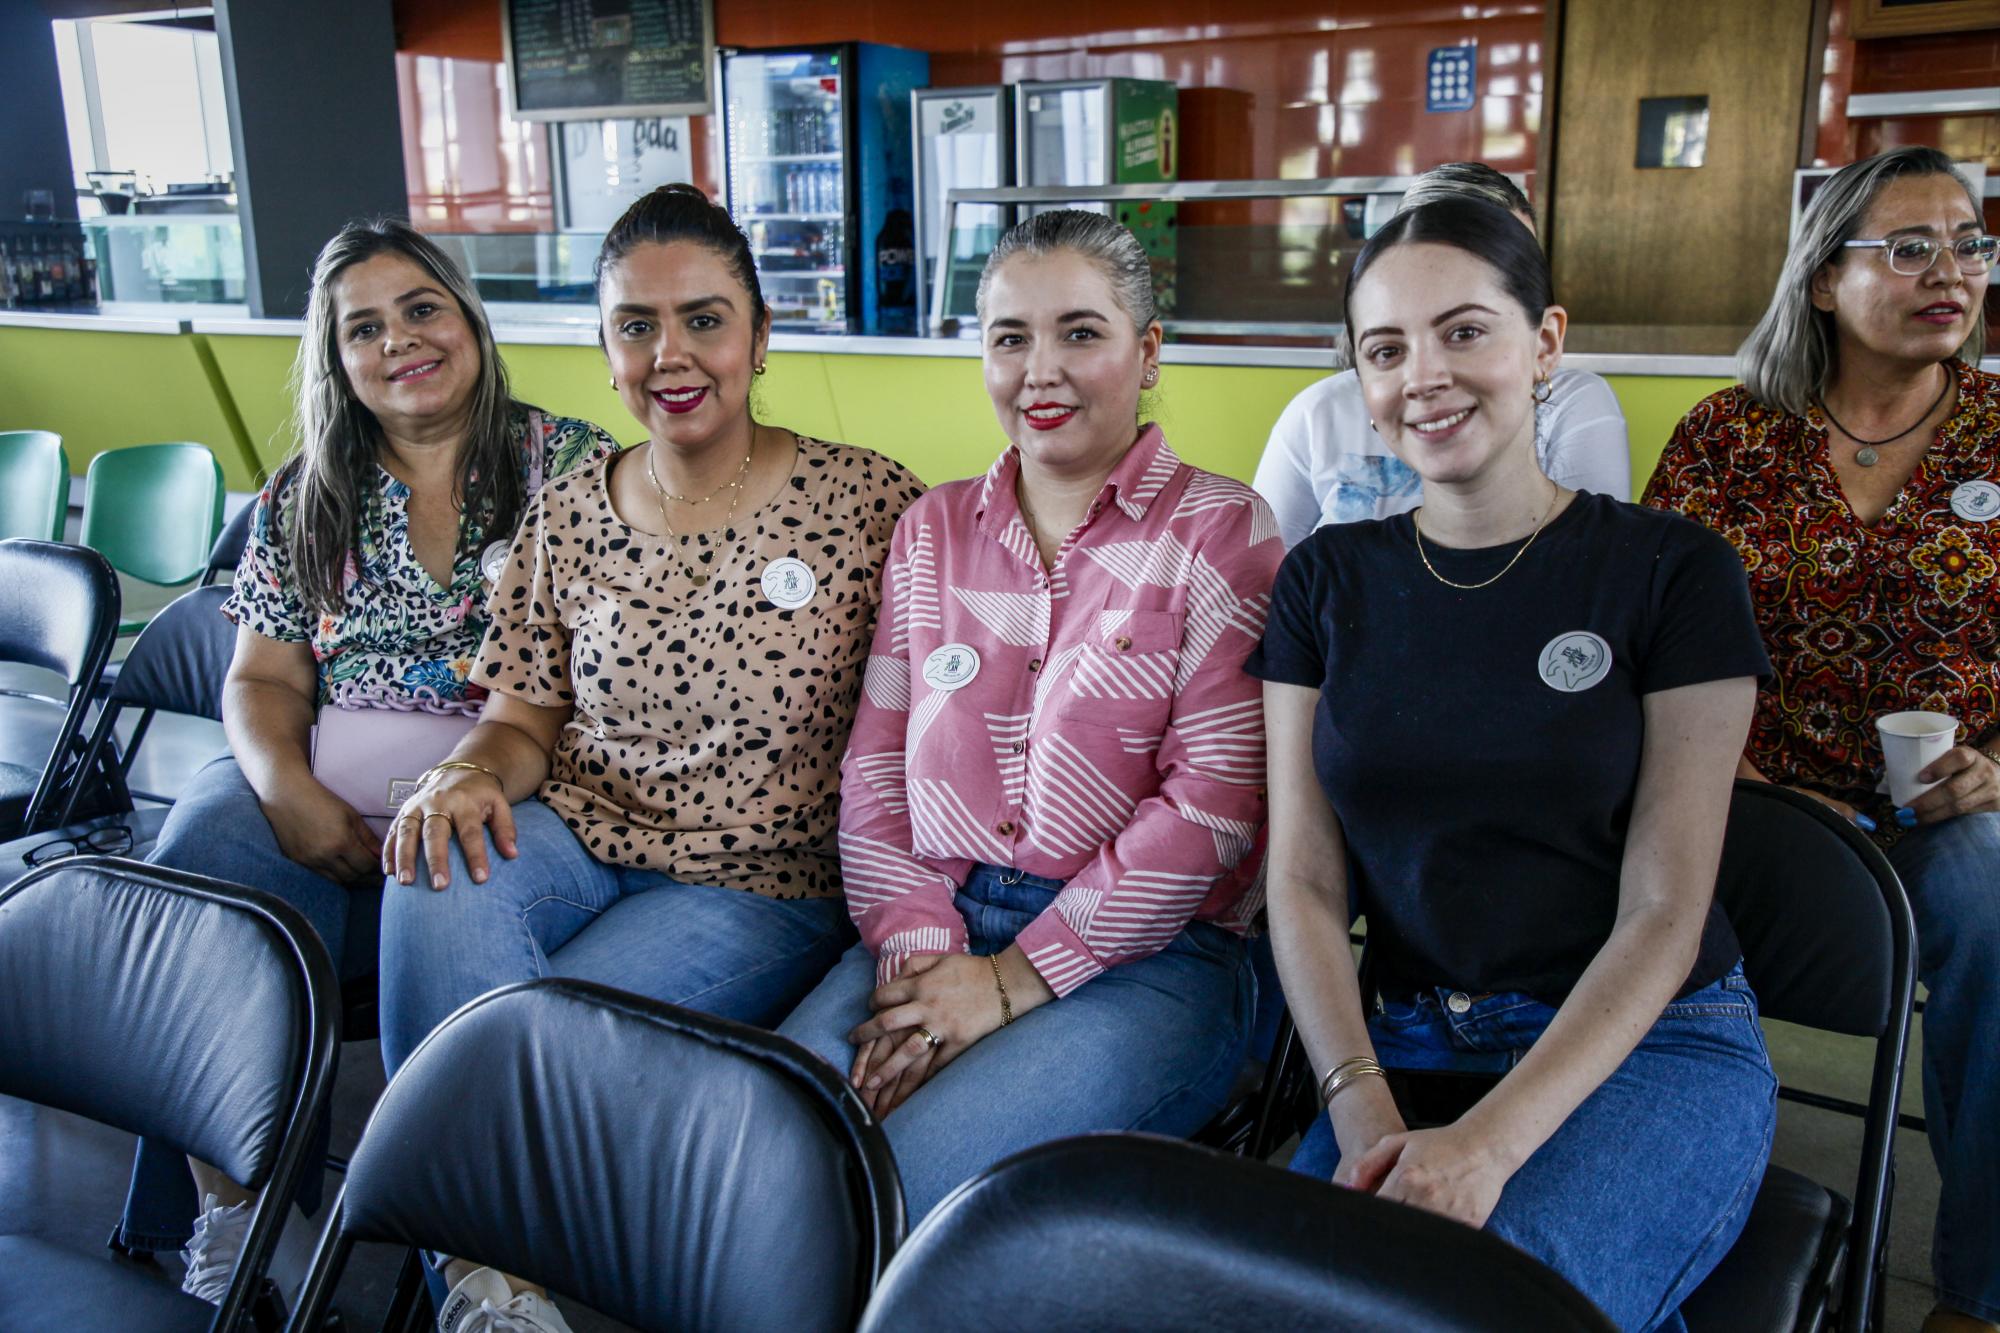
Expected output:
(1866, 455)
(677, 544)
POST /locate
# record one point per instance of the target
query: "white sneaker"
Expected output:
(213, 1249)
(484, 1303)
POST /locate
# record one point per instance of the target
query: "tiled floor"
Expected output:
(39, 1148)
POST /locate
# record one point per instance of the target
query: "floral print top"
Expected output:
(400, 634)
(1859, 619)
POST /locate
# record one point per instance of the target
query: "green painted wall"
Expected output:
(102, 390)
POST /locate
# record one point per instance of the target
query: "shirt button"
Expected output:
(1005, 828)
(1020, 747)
(1121, 643)
(1035, 664)
(1458, 1002)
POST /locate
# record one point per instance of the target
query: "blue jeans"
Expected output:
(556, 910)
(1951, 872)
(217, 828)
(1152, 1044)
(1641, 1192)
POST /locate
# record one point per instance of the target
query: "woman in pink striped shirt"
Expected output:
(1053, 787)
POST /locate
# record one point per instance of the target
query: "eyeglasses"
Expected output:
(1912, 256)
(115, 840)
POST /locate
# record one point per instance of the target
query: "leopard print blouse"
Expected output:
(709, 720)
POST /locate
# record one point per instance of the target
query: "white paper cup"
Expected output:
(1911, 742)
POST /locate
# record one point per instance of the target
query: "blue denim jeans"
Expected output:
(556, 910)
(1644, 1188)
(1152, 1044)
(1951, 872)
(217, 828)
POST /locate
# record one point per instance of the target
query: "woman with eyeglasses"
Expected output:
(1857, 470)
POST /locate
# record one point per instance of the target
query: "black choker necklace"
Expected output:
(1866, 455)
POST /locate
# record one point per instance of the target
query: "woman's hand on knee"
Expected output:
(1448, 1171)
(459, 804)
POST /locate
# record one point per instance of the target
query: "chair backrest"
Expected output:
(227, 553)
(34, 484)
(59, 608)
(180, 660)
(1137, 1231)
(59, 611)
(1819, 912)
(154, 509)
(667, 1168)
(166, 1004)
(178, 664)
(1828, 942)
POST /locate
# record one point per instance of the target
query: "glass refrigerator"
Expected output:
(816, 152)
(964, 140)
(1107, 132)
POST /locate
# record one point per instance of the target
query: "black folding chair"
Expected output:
(177, 665)
(227, 552)
(669, 1169)
(1138, 1231)
(170, 1005)
(1827, 943)
(59, 609)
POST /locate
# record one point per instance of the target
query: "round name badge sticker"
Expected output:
(951, 666)
(1976, 501)
(493, 562)
(789, 583)
(1575, 661)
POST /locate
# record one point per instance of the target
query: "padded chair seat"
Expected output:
(44, 1286)
(17, 783)
(1761, 1284)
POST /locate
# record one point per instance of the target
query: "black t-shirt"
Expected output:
(1482, 747)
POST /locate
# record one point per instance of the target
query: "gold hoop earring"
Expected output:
(614, 381)
(761, 368)
(1543, 390)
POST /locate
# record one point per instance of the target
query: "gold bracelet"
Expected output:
(1006, 1006)
(1344, 1073)
(460, 764)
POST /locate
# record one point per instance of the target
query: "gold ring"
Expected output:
(435, 814)
(930, 1038)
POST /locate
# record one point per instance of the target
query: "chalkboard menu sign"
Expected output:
(597, 59)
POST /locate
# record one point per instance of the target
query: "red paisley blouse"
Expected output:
(1859, 620)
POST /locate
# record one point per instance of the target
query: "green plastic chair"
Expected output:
(153, 511)
(34, 485)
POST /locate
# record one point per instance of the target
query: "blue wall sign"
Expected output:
(1452, 71)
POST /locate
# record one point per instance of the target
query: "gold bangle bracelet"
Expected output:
(1344, 1073)
(1006, 1006)
(463, 765)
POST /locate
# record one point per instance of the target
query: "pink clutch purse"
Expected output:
(372, 756)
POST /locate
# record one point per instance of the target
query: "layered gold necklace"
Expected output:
(677, 543)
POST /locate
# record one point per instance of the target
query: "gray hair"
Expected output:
(333, 464)
(1457, 180)
(1788, 358)
(1104, 242)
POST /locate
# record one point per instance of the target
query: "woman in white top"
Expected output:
(1325, 464)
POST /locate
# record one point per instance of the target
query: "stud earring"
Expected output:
(614, 381)
(761, 368)
(1152, 374)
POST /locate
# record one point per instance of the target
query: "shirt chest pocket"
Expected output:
(1124, 675)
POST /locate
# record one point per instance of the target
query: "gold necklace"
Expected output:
(1418, 517)
(679, 544)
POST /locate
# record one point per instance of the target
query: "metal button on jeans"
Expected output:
(1458, 1002)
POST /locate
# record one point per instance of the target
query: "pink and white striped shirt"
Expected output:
(1090, 723)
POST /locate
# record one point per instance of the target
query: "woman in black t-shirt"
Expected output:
(1505, 728)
